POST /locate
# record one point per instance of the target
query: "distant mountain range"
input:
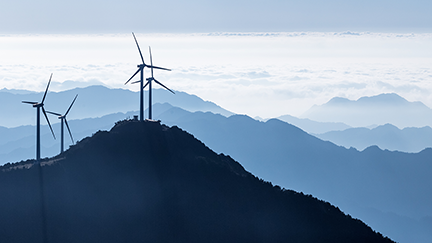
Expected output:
(378, 110)
(16, 91)
(145, 182)
(387, 136)
(18, 143)
(366, 184)
(388, 190)
(313, 127)
(93, 101)
(337, 114)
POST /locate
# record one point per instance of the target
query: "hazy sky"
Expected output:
(101, 16)
(261, 58)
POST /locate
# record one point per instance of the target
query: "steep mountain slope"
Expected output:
(145, 182)
(361, 183)
(366, 111)
(299, 160)
(387, 136)
(388, 190)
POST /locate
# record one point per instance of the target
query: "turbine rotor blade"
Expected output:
(71, 105)
(46, 117)
(53, 113)
(142, 58)
(163, 86)
(46, 91)
(134, 82)
(155, 67)
(146, 84)
(133, 75)
(67, 126)
(30, 102)
(151, 62)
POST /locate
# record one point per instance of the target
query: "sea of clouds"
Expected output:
(259, 74)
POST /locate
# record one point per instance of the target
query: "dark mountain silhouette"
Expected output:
(365, 184)
(366, 111)
(410, 139)
(95, 101)
(395, 184)
(313, 127)
(146, 182)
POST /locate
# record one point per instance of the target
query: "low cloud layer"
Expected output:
(259, 74)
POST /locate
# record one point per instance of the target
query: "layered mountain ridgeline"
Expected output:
(313, 127)
(18, 143)
(388, 190)
(409, 139)
(374, 110)
(146, 182)
(94, 101)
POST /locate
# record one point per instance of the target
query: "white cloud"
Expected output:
(265, 74)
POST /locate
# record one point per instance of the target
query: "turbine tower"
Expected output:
(149, 83)
(38, 106)
(63, 121)
(141, 70)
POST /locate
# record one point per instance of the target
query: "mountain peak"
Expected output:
(379, 109)
(144, 181)
(338, 100)
(151, 138)
(386, 98)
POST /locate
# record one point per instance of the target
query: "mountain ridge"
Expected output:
(95, 101)
(387, 136)
(354, 181)
(146, 181)
(313, 127)
(366, 111)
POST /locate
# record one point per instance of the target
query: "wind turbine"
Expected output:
(63, 121)
(38, 106)
(141, 70)
(149, 83)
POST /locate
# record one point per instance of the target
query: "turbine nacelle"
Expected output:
(34, 104)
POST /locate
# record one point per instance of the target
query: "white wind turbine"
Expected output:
(63, 121)
(141, 70)
(38, 106)
(149, 83)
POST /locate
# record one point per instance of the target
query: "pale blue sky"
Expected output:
(109, 16)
